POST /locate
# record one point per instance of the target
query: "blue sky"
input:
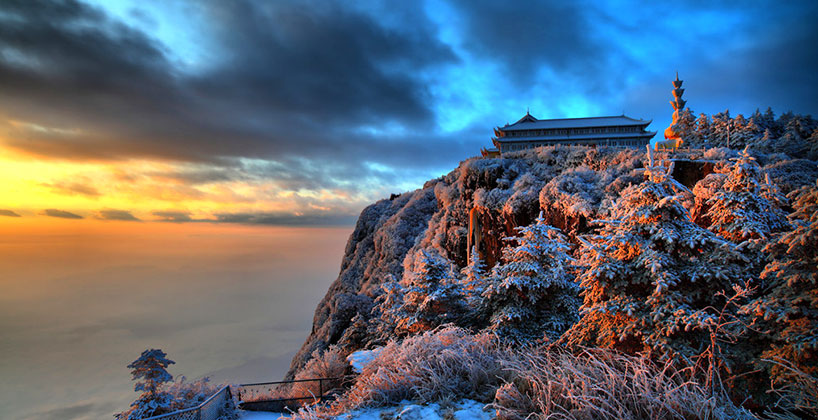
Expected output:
(340, 102)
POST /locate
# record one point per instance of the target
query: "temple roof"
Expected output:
(528, 122)
(647, 134)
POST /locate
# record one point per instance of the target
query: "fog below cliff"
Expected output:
(80, 303)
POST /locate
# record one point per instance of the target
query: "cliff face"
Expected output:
(572, 185)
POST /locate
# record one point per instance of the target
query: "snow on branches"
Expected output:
(651, 275)
(533, 293)
(789, 307)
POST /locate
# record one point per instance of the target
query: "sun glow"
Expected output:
(138, 189)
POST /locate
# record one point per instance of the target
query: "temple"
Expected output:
(529, 132)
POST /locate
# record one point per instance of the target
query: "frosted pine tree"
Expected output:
(387, 311)
(474, 278)
(432, 296)
(533, 293)
(703, 131)
(653, 276)
(745, 210)
(721, 129)
(789, 307)
(149, 370)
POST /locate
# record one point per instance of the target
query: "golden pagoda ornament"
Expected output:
(673, 135)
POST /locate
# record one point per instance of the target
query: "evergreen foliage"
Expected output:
(746, 209)
(149, 370)
(431, 294)
(652, 275)
(789, 308)
(533, 293)
(474, 278)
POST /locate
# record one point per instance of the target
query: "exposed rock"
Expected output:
(573, 186)
(507, 192)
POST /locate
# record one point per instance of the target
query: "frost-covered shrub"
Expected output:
(720, 154)
(790, 175)
(523, 199)
(445, 363)
(161, 394)
(332, 363)
(599, 384)
(533, 293)
(575, 192)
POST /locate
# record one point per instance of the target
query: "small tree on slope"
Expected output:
(432, 295)
(533, 293)
(150, 373)
(745, 210)
(652, 276)
(474, 278)
(789, 308)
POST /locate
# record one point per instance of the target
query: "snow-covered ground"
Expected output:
(462, 410)
(361, 358)
(262, 415)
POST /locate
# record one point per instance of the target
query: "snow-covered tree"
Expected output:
(686, 125)
(149, 370)
(652, 275)
(703, 132)
(474, 278)
(789, 307)
(745, 210)
(386, 312)
(721, 129)
(533, 293)
(432, 294)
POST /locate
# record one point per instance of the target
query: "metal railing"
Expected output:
(210, 409)
(262, 396)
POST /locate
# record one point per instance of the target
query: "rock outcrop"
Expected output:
(573, 186)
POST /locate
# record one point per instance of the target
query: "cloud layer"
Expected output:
(337, 102)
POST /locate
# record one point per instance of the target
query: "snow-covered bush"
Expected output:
(533, 292)
(790, 175)
(602, 384)
(331, 363)
(163, 395)
(448, 363)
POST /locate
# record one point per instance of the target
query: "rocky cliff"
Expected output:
(571, 185)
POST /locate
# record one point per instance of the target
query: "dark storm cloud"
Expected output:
(291, 80)
(122, 215)
(328, 93)
(61, 214)
(8, 213)
(525, 37)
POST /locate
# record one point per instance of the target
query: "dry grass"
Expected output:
(445, 364)
(798, 397)
(530, 383)
(601, 384)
